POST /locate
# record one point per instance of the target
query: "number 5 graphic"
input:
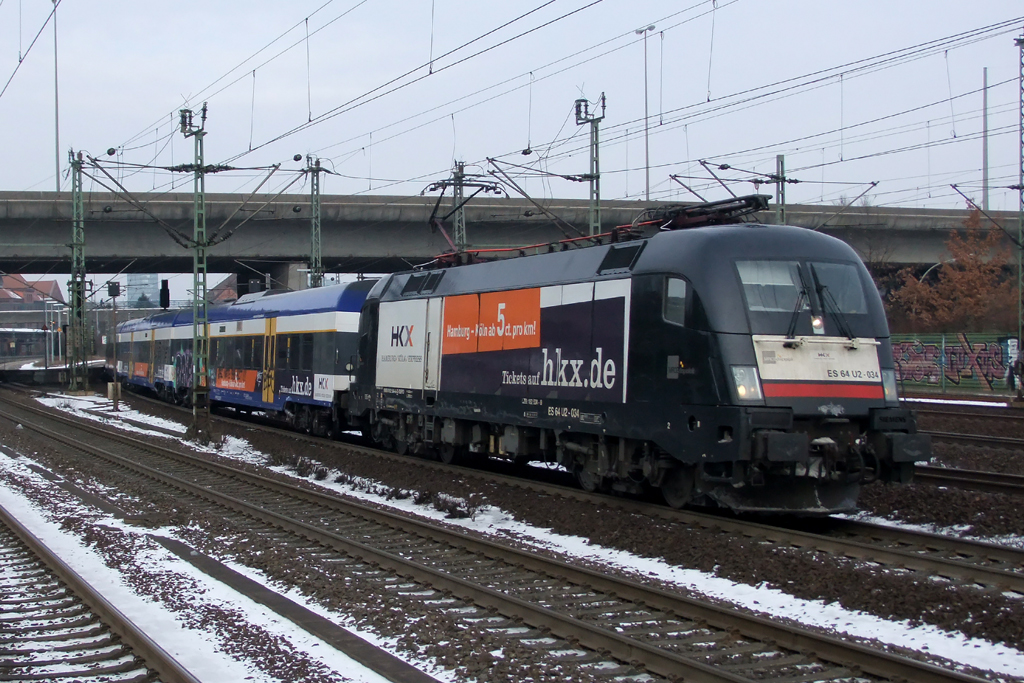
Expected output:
(501, 319)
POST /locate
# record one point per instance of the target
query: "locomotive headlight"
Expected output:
(889, 387)
(818, 324)
(747, 383)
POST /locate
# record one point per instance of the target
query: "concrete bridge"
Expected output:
(369, 233)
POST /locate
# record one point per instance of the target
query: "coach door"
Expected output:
(432, 345)
(269, 356)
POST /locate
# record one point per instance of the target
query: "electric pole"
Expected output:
(458, 205)
(647, 128)
(984, 140)
(780, 189)
(78, 362)
(1020, 227)
(583, 116)
(200, 429)
(114, 291)
(459, 181)
(316, 265)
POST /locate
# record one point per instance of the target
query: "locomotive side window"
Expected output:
(675, 300)
(842, 282)
(771, 286)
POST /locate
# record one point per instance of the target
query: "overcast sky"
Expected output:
(850, 92)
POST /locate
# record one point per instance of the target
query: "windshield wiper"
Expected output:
(796, 313)
(831, 306)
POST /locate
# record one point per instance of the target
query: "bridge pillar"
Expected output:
(293, 276)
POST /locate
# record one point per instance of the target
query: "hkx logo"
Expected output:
(402, 336)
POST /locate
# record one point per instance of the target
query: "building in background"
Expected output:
(143, 290)
(19, 294)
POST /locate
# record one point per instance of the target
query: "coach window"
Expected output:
(675, 300)
(257, 354)
(306, 362)
(282, 351)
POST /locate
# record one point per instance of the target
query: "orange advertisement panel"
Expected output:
(140, 369)
(509, 320)
(460, 322)
(239, 380)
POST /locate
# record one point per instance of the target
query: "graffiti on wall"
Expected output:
(957, 361)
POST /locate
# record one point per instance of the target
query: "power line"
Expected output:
(370, 95)
(200, 93)
(23, 57)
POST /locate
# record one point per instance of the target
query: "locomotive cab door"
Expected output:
(269, 355)
(432, 346)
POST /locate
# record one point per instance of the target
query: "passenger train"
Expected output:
(745, 366)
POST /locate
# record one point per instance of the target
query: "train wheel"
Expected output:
(677, 487)
(448, 454)
(588, 481)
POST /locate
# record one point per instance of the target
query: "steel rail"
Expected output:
(946, 567)
(624, 648)
(977, 439)
(972, 480)
(1012, 414)
(154, 656)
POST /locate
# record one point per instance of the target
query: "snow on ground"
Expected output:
(41, 365)
(770, 601)
(957, 402)
(1010, 540)
(196, 650)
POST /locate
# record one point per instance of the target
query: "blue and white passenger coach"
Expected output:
(289, 353)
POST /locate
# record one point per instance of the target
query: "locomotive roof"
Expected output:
(347, 297)
(704, 256)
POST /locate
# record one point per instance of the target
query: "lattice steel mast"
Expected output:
(316, 264)
(583, 116)
(459, 206)
(78, 361)
(200, 429)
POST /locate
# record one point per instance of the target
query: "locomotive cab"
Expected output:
(807, 407)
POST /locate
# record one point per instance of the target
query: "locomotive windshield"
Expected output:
(781, 295)
(771, 286)
(842, 282)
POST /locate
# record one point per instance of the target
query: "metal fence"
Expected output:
(954, 362)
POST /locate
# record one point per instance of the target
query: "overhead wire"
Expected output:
(717, 110)
(379, 91)
(820, 77)
(204, 92)
(23, 57)
(579, 53)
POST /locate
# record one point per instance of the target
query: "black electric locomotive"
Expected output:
(744, 365)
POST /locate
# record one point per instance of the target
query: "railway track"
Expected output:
(977, 439)
(973, 480)
(965, 561)
(1011, 415)
(658, 631)
(54, 625)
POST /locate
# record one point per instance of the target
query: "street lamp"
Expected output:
(647, 147)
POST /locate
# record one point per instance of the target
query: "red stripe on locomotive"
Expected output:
(822, 390)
